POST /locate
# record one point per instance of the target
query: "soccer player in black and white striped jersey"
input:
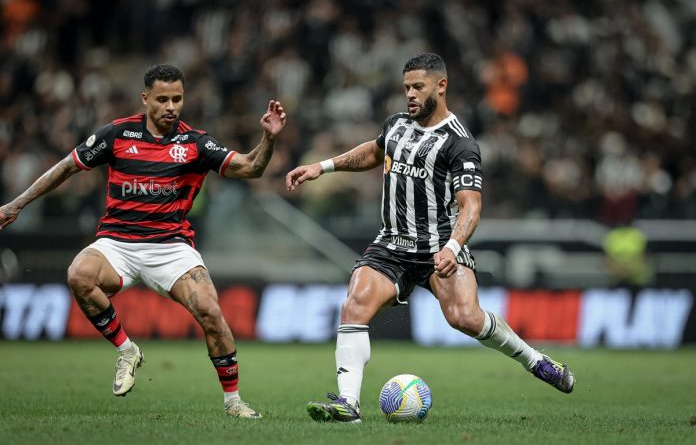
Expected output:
(431, 203)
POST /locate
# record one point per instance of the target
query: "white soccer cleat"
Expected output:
(238, 408)
(126, 365)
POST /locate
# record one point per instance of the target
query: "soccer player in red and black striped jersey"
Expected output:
(156, 166)
(431, 203)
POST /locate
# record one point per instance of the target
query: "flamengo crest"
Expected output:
(178, 153)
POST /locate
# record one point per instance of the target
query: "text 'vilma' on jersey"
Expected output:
(423, 170)
(152, 182)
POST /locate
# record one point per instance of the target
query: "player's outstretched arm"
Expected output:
(365, 156)
(47, 182)
(254, 163)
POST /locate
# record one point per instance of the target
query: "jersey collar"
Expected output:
(440, 124)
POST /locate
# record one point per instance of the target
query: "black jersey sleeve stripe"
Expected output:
(155, 169)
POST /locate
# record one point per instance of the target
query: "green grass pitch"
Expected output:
(60, 393)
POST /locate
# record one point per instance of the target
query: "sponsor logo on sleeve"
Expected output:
(90, 154)
(212, 146)
(90, 140)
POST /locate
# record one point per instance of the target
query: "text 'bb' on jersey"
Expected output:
(152, 182)
(423, 170)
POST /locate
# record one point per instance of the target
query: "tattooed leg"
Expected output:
(195, 291)
(88, 276)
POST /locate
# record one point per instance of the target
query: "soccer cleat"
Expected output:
(126, 365)
(338, 410)
(555, 374)
(238, 408)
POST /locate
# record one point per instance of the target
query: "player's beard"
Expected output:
(426, 111)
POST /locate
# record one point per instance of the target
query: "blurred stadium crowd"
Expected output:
(583, 109)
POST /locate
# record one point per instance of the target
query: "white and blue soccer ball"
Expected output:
(405, 398)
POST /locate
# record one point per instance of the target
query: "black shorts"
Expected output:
(406, 270)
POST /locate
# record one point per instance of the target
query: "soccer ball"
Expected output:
(405, 398)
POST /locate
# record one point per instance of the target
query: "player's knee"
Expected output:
(209, 315)
(82, 277)
(355, 309)
(464, 319)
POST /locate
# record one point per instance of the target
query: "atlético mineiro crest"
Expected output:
(178, 153)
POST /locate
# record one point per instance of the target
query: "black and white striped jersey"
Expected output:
(423, 169)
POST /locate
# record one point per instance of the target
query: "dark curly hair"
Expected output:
(166, 73)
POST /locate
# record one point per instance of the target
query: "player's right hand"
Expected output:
(301, 174)
(8, 213)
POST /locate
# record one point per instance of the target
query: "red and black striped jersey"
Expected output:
(152, 182)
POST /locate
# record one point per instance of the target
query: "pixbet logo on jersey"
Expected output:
(148, 188)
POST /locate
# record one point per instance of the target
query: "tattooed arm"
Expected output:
(469, 203)
(365, 156)
(47, 182)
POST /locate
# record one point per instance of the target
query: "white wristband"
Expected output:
(454, 246)
(327, 166)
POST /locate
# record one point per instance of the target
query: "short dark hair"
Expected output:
(165, 73)
(428, 62)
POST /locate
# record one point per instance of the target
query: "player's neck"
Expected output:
(440, 114)
(156, 131)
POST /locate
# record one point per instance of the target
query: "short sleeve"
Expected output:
(212, 155)
(97, 150)
(388, 124)
(465, 165)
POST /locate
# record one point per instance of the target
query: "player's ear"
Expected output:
(143, 96)
(442, 85)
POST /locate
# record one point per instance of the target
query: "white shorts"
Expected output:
(157, 265)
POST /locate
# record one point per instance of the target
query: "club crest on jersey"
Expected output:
(425, 147)
(178, 153)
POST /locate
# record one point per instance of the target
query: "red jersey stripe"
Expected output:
(134, 118)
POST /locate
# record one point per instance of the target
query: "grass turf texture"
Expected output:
(60, 393)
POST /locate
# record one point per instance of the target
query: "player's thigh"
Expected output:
(91, 268)
(458, 297)
(368, 292)
(195, 291)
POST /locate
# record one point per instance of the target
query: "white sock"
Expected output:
(231, 397)
(125, 346)
(496, 334)
(352, 354)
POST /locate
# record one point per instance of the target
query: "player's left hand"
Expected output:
(273, 121)
(445, 263)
